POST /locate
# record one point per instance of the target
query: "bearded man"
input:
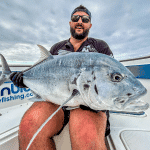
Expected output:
(87, 127)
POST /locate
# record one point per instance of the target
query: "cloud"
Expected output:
(124, 25)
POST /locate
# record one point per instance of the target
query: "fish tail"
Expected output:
(5, 70)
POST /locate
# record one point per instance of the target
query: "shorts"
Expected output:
(67, 115)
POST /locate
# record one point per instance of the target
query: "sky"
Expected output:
(123, 24)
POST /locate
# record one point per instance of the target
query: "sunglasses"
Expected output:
(85, 19)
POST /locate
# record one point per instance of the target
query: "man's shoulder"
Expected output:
(101, 46)
(57, 46)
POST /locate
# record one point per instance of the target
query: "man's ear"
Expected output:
(90, 25)
(69, 22)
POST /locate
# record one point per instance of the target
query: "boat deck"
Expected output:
(126, 130)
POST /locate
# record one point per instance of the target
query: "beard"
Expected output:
(79, 36)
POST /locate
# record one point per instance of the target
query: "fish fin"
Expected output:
(64, 52)
(44, 54)
(71, 108)
(74, 93)
(36, 95)
(5, 70)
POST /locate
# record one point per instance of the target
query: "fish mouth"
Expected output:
(132, 104)
(137, 105)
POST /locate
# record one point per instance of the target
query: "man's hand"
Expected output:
(17, 79)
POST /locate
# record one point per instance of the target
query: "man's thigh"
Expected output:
(87, 129)
(36, 115)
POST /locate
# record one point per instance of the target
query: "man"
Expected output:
(87, 127)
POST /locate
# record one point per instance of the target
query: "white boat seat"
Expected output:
(136, 140)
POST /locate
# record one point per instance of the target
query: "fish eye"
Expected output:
(116, 77)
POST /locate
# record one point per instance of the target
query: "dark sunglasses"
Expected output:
(85, 19)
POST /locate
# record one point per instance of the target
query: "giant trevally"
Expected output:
(103, 83)
(82, 78)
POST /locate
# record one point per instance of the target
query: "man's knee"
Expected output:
(36, 116)
(87, 124)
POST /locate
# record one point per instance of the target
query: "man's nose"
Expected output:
(80, 20)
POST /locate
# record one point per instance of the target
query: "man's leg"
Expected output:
(33, 119)
(87, 130)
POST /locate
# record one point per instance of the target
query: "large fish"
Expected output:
(102, 82)
(72, 79)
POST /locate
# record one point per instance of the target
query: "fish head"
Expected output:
(112, 87)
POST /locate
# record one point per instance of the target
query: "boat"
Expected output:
(129, 131)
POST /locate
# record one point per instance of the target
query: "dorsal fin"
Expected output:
(63, 52)
(44, 54)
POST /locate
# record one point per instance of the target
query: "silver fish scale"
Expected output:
(56, 75)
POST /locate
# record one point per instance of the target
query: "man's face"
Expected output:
(79, 30)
